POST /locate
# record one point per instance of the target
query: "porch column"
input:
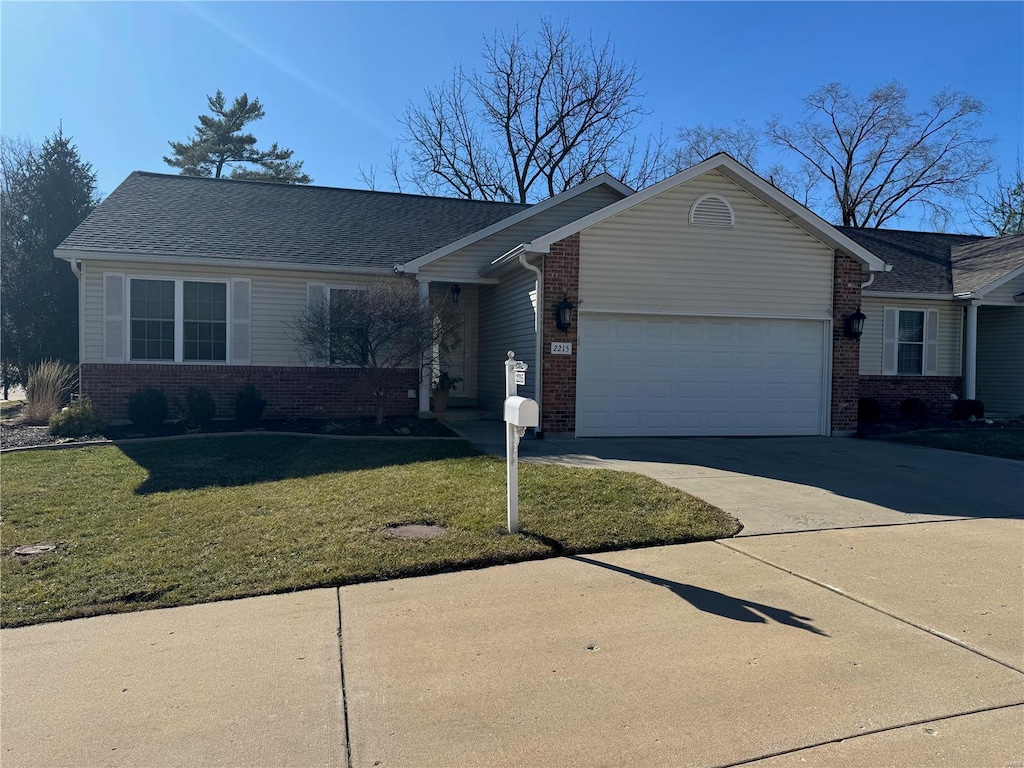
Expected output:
(426, 372)
(971, 352)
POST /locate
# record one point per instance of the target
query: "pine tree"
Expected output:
(219, 145)
(46, 193)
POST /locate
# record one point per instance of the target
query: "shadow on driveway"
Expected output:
(717, 603)
(907, 479)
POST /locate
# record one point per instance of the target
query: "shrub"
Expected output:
(198, 411)
(914, 408)
(49, 387)
(869, 410)
(76, 420)
(964, 409)
(147, 408)
(249, 405)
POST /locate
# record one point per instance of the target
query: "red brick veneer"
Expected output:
(289, 392)
(561, 280)
(847, 277)
(890, 391)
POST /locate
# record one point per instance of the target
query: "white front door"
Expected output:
(646, 376)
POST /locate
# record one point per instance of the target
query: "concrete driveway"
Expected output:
(786, 484)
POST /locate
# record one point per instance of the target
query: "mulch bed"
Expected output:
(899, 426)
(16, 435)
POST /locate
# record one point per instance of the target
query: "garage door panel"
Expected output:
(699, 376)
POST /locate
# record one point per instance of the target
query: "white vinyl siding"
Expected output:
(947, 338)
(111, 322)
(685, 376)
(506, 324)
(1001, 360)
(650, 258)
(466, 263)
(276, 297)
(1004, 293)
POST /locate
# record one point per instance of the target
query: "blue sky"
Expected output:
(126, 77)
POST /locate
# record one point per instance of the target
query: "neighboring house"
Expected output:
(707, 304)
(948, 319)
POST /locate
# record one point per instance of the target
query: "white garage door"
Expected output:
(645, 376)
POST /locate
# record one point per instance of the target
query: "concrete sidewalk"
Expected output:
(788, 484)
(887, 646)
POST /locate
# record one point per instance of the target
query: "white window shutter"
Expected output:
(316, 295)
(931, 342)
(890, 334)
(113, 317)
(241, 321)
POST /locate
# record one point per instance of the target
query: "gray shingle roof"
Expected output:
(161, 214)
(921, 261)
(977, 265)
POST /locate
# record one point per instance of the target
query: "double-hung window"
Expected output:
(176, 320)
(348, 336)
(910, 343)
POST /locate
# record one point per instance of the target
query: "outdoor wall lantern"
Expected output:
(563, 314)
(855, 325)
(454, 292)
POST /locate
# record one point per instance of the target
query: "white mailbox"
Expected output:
(522, 411)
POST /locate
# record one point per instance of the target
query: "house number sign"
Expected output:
(561, 347)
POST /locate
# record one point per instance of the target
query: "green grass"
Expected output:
(190, 521)
(1007, 443)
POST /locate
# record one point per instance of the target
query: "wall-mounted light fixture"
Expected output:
(454, 292)
(854, 325)
(563, 314)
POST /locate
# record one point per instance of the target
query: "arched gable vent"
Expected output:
(711, 211)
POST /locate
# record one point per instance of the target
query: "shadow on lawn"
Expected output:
(717, 603)
(226, 462)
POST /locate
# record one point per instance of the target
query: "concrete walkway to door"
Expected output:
(786, 484)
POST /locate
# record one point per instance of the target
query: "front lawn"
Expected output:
(1006, 442)
(190, 521)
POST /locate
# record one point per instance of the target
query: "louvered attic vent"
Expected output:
(711, 211)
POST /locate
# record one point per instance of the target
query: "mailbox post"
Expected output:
(519, 413)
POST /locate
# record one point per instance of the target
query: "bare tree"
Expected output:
(1000, 210)
(534, 121)
(880, 159)
(384, 328)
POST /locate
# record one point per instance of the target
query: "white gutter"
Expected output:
(76, 268)
(539, 342)
(871, 279)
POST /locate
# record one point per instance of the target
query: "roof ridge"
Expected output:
(184, 177)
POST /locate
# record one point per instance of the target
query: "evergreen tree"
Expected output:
(46, 193)
(219, 145)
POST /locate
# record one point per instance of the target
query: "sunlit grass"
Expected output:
(190, 521)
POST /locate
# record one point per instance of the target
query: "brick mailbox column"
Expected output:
(847, 277)
(561, 280)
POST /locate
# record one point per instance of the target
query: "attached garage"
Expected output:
(678, 376)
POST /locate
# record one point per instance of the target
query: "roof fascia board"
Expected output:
(909, 295)
(512, 257)
(604, 179)
(792, 210)
(70, 254)
(999, 281)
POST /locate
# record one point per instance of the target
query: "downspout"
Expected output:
(538, 351)
(77, 269)
(871, 279)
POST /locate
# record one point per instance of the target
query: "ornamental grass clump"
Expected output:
(49, 387)
(77, 420)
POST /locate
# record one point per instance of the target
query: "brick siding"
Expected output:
(317, 393)
(561, 280)
(847, 277)
(890, 391)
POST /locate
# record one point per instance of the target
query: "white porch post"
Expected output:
(426, 370)
(971, 352)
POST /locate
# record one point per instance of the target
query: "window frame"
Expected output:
(329, 289)
(179, 319)
(920, 344)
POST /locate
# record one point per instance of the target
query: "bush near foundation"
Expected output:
(249, 405)
(964, 409)
(77, 420)
(147, 408)
(869, 410)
